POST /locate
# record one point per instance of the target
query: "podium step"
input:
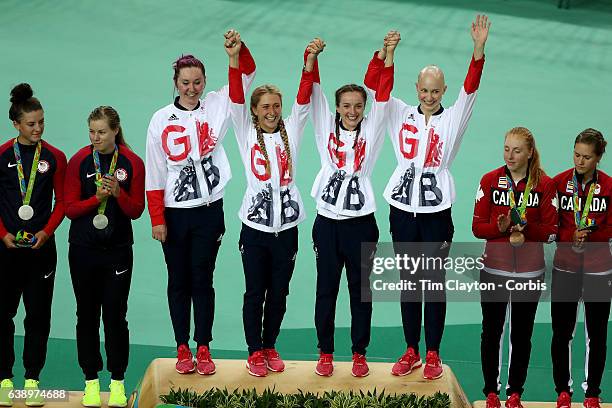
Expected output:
(298, 375)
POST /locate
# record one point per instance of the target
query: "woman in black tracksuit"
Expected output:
(31, 173)
(104, 191)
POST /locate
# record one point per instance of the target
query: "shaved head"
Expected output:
(431, 70)
(430, 88)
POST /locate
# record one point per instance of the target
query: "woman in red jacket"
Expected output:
(515, 212)
(582, 267)
(104, 192)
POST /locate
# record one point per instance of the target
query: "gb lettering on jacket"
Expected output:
(177, 142)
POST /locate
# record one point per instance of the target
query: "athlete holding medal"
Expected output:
(104, 191)
(31, 173)
(515, 212)
(582, 268)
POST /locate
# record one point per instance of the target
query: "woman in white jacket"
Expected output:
(186, 173)
(349, 144)
(271, 209)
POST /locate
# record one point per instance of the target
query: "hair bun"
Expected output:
(21, 93)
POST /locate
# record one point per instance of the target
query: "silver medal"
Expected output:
(25, 212)
(100, 221)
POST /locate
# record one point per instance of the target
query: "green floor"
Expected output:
(547, 69)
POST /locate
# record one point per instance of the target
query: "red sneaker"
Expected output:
(205, 364)
(273, 360)
(514, 401)
(185, 364)
(564, 400)
(406, 363)
(360, 366)
(256, 364)
(493, 401)
(325, 365)
(433, 366)
(592, 402)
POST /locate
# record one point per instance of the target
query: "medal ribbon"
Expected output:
(26, 193)
(582, 219)
(111, 171)
(522, 209)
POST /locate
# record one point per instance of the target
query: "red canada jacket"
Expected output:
(597, 256)
(492, 199)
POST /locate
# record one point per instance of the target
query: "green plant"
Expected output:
(273, 399)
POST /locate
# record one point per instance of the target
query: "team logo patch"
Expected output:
(502, 182)
(121, 174)
(597, 189)
(569, 188)
(43, 166)
(555, 203)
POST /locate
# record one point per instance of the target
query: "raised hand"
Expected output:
(316, 46)
(480, 33)
(391, 40)
(232, 43)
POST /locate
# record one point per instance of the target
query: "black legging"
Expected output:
(31, 273)
(101, 281)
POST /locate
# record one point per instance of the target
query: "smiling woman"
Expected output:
(272, 206)
(31, 173)
(104, 192)
(349, 145)
(187, 171)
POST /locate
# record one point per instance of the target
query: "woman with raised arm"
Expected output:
(421, 191)
(104, 192)
(272, 207)
(349, 144)
(31, 174)
(187, 171)
(515, 212)
(582, 268)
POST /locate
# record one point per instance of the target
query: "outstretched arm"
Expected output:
(379, 61)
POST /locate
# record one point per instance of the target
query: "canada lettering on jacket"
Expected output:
(598, 204)
(502, 198)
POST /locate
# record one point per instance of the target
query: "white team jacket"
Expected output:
(343, 188)
(272, 201)
(422, 182)
(185, 161)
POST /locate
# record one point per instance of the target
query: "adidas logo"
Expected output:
(173, 117)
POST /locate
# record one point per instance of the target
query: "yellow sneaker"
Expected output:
(33, 396)
(117, 396)
(91, 398)
(6, 386)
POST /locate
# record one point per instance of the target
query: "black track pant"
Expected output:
(519, 308)
(268, 260)
(338, 244)
(436, 230)
(190, 250)
(29, 273)
(568, 290)
(101, 282)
